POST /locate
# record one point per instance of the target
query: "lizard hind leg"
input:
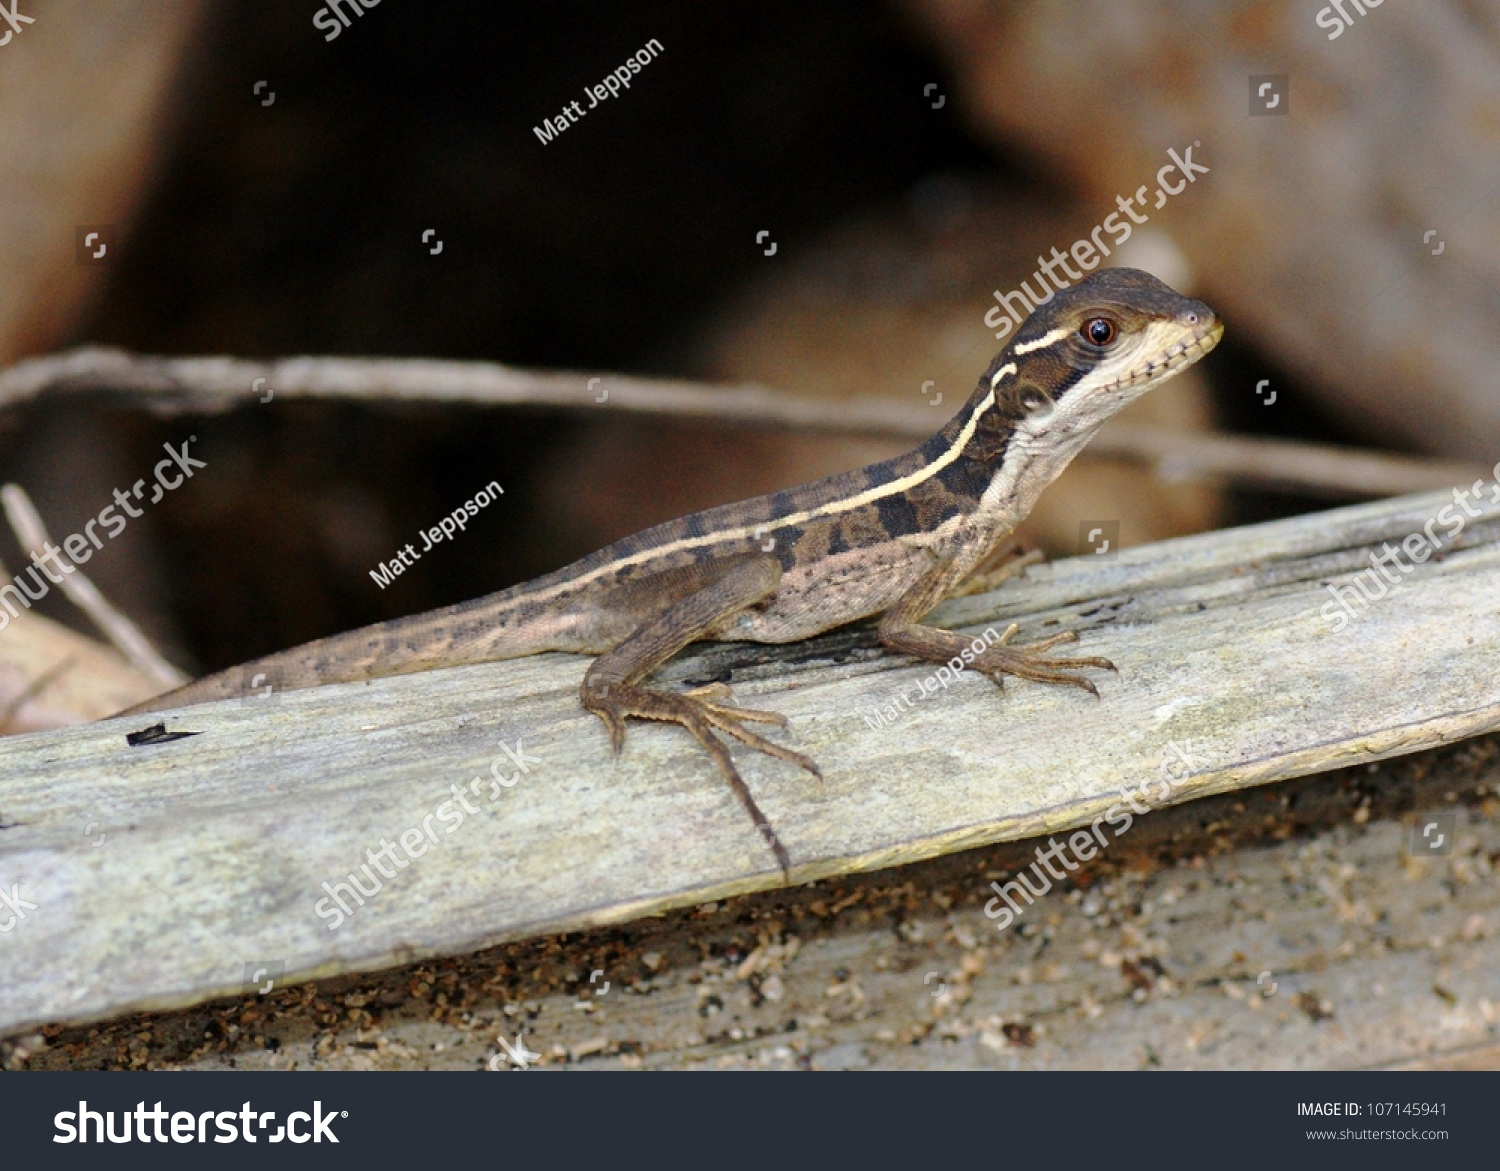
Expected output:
(701, 597)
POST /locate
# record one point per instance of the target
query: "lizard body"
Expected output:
(893, 539)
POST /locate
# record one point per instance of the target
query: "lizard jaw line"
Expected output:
(1184, 353)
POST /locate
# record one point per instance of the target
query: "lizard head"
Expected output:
(1095, 347)
(1074, 362)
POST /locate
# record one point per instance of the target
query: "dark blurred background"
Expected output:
(296, 228)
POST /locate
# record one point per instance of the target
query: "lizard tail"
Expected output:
(478, 631)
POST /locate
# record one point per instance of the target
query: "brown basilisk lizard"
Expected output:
(892, 539)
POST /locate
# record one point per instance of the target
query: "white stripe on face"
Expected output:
(1042, 342)
(1008, 368)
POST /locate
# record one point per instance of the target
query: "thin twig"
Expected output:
(1316, 469)
(82, 592)
(216, 384)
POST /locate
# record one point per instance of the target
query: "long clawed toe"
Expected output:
(702, 712)
(769, 747)
(1046, 644)
(712, 698)
(1031, 662)
(616, 725)
(728, 719)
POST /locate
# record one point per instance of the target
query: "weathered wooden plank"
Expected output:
(1215, 934)
(167, 874)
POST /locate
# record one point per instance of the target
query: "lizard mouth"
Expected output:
(1175, 357)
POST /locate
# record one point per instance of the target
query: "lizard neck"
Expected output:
(998, 452)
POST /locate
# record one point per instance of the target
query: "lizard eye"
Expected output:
(1099, 331)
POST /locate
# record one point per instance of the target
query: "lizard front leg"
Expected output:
(901, 630)
(1008, 559)
(612, 685)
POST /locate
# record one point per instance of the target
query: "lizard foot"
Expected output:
(1031, 662)
(702, 712)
